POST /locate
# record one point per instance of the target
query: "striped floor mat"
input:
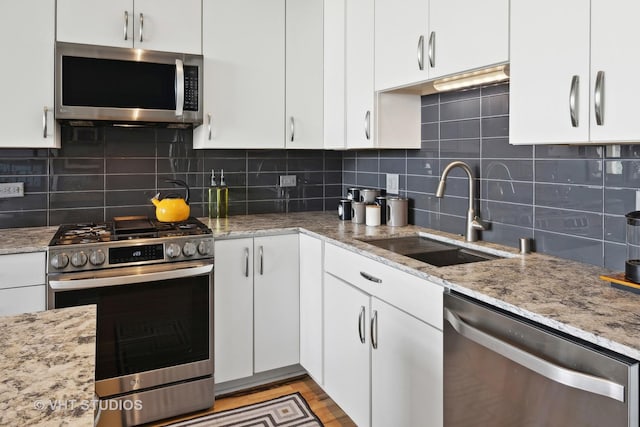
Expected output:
(285, 411)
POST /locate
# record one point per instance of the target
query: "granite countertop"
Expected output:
(47, 367)
(28, 239)
(565, 295)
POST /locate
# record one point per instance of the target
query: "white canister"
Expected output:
(373, 215)
(397, 211)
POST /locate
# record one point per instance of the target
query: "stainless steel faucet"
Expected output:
(474, 223)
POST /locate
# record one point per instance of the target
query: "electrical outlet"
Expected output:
(393, 183)
(11, 189)
(287, 180)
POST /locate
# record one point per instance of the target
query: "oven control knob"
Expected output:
(97, 257)
(189, 249)
(59, 261)
(78, 259)
(173, 250)
(204, 248)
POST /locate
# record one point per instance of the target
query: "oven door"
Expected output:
(154, 323)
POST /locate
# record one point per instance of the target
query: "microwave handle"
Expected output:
(179, 87)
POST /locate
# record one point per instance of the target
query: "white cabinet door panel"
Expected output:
(276, 302)
(614, 44)
(468, 34)
(27, 74)
(96, 22)
(347, 376)
(168, 25)
(311, 306)
(399, 25)
(406, 370)
(334, 74)
(244, 61)
(304, 74)
(233, 309)
(543, 62)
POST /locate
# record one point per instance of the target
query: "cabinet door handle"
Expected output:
(421, 52)
(126, 25)
(598, 98)
(374, 329)
(246, 262)
(432, 49)
(179, 87)
(573, 100)
(361, 324)
(141, 27)
(370, 278)
(209, 124)
(261, 260)
(367, 124)
(292, 127)
(45, 121)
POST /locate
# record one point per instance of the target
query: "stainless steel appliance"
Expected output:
(127, 85)
(152, 283)
(501, 370)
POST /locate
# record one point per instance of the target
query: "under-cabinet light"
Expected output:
(474, 78)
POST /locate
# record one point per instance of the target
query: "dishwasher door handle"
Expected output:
(549, 370)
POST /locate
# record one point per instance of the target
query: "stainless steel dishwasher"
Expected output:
(502, 370)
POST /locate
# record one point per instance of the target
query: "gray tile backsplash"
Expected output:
(570, 199)
(103, 172)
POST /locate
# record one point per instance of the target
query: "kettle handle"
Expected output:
(181, 184)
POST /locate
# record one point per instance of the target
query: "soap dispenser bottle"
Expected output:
(213, 194)
(222, 198)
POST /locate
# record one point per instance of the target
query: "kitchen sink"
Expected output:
(433, 252)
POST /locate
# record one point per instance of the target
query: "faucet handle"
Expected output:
(477, 224)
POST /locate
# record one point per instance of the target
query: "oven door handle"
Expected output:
(98, 282)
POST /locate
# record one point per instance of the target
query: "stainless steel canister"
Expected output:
(353, 194)
(368, 195)
(397, 211)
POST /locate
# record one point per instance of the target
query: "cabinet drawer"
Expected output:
(416, 296)
(22, 269)
(22, 300)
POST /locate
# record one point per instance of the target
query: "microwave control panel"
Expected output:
(190, 88)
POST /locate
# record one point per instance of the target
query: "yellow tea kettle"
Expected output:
(172, 208)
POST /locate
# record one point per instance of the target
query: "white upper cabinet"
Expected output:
(549, 88)
(27, 84)
(304, 73)
(166, 25)
(467, 34)
(401, 36)
(575, 81)
(614, 71)
(359, 74)
(244, 74)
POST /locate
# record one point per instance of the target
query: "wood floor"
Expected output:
(329, 413)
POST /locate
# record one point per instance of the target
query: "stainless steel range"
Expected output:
(152, 283)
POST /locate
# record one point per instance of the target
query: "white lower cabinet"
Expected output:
(311, 306)
(256, 305)
(383, 349)
(346, 348)
(22, 283)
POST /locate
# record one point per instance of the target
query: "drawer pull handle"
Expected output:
(370, 277)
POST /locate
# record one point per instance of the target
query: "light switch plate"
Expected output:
(393, 183)
(11, 189)
(287, 180)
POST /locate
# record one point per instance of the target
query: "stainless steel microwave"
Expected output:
(120, 85)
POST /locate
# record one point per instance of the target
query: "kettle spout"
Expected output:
(155, 200)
